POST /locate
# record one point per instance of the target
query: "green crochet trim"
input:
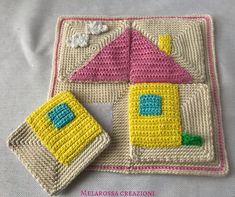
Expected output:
(189, 139)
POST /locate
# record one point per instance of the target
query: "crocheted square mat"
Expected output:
(58, 141)
(173, 123)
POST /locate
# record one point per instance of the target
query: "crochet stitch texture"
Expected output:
(155, 130)
(110, 64)
(150, 104)
(164, 43)
(132, 57)
(60, 115)
(150, 64)
(192, 49)
(55, 156)
(73, 137)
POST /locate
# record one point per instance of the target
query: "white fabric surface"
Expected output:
(26, 45)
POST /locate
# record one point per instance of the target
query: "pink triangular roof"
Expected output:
(132, 57)
(149, 64)
(110, 64)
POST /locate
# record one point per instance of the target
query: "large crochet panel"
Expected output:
(160, 76)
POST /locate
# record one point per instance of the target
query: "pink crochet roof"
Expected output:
(149, 64)
(110, 64)
(132, 57)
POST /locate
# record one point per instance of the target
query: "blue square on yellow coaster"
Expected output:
(58, 141)
(60, 115)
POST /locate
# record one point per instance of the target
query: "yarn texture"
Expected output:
(66, 144)
(154, 130)
(164, 43)
(150, 104)
(58, 141)
(159, 74)
(174, 50)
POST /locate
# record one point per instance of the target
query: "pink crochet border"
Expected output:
(214, 89)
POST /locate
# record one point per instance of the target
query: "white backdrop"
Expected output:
(26, 45)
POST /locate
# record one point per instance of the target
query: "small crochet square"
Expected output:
(60, 115)
(73, 138)
(52, 175)
(150, 104)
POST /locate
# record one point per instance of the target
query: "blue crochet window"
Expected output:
(60, 115)
(150, 104)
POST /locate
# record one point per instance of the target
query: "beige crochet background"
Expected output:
(26, 44)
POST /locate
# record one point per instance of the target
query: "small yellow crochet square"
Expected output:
(164, 43)
(159, 130)
(67, 142)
